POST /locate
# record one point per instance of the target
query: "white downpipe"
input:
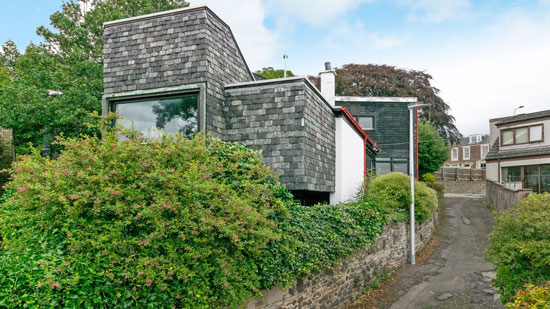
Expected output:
(411, 172)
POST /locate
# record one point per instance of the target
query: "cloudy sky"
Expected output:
(486, 57)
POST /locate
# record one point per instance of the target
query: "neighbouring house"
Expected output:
(470, 152)
(182, 71)
(520, 153)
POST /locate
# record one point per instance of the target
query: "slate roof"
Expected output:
(495, 153)
(523, 117)
(465, 141)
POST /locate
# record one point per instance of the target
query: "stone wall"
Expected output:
(342, 285)
(172, 49)
(502, 198)
(292, 126)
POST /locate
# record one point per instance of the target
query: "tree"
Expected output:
(432, 151)
(384, 80)
(271, 73)
(70, 61)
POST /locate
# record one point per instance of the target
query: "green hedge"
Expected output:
(520, 245)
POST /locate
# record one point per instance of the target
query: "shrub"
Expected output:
(438, 187)
(428, 178)
(392, 193)
(313, 238)
(520, 245)
(172, 222)
(531, 296)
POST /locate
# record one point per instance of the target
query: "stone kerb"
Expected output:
(337, 287)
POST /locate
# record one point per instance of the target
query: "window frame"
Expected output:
(529, 141)
(464, 153)
(367, 116)
(484, 146)
(452, 154)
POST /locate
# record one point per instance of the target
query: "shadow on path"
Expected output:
(455, 275)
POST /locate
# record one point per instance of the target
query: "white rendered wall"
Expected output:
(328, 86)
(492, 171)
(350, 162)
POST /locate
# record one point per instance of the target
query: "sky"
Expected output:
(486, 57)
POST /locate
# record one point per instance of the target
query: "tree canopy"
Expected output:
(271, 73)
(69, 62)
(432, 151)
(385, 80)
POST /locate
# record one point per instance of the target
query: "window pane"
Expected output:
(521, 135)
(511, 174)
(484, 151)
(507, 137)
(466, 153)
(161, 115)
(400, 167)
(535, 133)
(366, 122)
(455, 153)
(383, 168)
(545, 178)
(531, 180)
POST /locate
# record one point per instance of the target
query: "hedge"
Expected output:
(520, 245)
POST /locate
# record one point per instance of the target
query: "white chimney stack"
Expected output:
(328, 84)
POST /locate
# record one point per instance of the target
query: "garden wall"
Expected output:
(502, 198)
(342, 285)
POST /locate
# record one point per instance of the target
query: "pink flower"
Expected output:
(143, 186)
(55, 285)
(126, 277)
(112, 172)
(67, 263)
(61, 199)
(172, 170)
(45, 175)
(23, 189)
(69, 234)
(39, 285)
(79, 175)
(3, 187)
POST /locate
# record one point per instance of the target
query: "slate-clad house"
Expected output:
(520, 154)
(182, 71)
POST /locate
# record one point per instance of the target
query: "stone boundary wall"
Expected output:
(335, 288)
(502, 198)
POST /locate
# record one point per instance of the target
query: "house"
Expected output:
(470, 152)
(519, 157)
(182, 71)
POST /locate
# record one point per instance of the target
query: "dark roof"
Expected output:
(495, 153)
(258, 76)
(465, 141)
(523, 117)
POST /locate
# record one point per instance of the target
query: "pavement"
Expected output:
(455, 274)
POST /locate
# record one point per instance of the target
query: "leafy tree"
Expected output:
(69, 61)
(385, 80)
(432, 151)
(271, 73)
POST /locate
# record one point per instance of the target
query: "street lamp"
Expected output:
(515, 109)
(411, 173)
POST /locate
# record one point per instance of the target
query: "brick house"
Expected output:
(182, 71)
(520, 153)
(470, 152)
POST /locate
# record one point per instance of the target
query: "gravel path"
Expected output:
(455, 275)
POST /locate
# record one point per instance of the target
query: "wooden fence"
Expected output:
(462, 174)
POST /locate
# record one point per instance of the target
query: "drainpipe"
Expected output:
(498, 170)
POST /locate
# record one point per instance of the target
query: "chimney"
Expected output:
(328, 84)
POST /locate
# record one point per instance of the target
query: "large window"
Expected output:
(158, 115)
(466, 153)
(523, 135)
(511, 174)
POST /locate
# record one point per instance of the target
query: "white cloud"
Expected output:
(438, 10)
(351, 37)
(246, 17)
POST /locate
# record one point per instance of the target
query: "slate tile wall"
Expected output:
(269, 117)
(190, 46)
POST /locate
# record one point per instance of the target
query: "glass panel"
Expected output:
(161, 115)
(383, 168)
(535, 133)
(401, 167)
(455, 154)
(521, 136)
(466, 153)
(545, 178)
(484, 151)
(511, 174)
(507, 137)
(366, 122)
(531, 180)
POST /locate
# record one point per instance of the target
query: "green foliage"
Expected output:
(271, 73)
(428, 178)
(520, 245)
(438, 187)
(432, 151)
(392, 192)
(313, 238)
(531, 296)
(70, 61)
(172, 222)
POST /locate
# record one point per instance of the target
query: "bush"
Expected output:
(531, 297)
(520, 245)
(392, 192)
(428, 178)
(438, 187)
(172, 222)
(313, 238)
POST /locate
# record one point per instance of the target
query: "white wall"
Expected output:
(492, 171)
(350, 162)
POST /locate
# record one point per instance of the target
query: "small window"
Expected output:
(508, 137)
(484, 151)
(466, 153)
(511, 174)
(535, 134)
(155, 116)
(366, 122)
(483, 165)
(454, 154)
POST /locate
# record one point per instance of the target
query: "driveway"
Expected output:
(455, 275)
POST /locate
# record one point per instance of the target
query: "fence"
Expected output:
(463, 174)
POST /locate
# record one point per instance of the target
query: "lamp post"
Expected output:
(515, 109)
(412, 108)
